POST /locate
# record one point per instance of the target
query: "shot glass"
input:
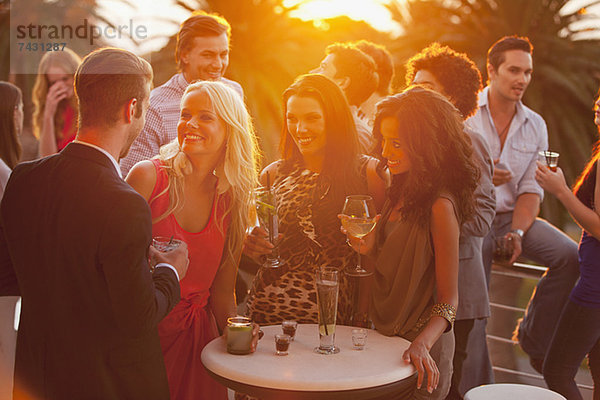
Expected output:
(165, 244)
(282, 343)
(550, 158)
(359, 338)
(289, 327)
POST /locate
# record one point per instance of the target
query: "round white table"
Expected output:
(378, 371)
(503, 391)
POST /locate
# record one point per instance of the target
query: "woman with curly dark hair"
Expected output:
(414, 250)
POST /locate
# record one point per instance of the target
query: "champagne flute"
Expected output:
(358, 218)
(266, 212)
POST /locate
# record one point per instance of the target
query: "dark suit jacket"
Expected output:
(74, 245)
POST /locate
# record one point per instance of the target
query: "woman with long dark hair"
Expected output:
(11, 125)
(578, 331)
(320, 165)
(414, 250)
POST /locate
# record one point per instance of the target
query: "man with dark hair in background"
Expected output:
(455, 76)
(202, 53)
(74, 240)
(516, 134)
(385, 73)
(356, 74)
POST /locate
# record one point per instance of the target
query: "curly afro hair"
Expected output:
(457, 74)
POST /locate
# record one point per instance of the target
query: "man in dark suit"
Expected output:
(74, 243)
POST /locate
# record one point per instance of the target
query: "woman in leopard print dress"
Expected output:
(320, 165)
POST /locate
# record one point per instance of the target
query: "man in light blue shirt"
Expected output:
(515, 135)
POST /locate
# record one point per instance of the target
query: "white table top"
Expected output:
(503, 391)
(380, 363)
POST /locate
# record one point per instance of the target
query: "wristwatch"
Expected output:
(518, 232)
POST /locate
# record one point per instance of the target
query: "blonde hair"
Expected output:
(68, 61)
(237, 169)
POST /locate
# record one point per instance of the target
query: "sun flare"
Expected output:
(373, 12)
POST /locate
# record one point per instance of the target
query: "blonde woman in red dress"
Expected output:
(199, 190)
(55, 106)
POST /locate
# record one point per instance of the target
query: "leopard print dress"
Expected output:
(312, 239)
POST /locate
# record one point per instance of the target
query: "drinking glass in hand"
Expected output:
(358, 218)
(327, 300)
(550, 158)
(266, 212)
(165, 244)
(503, 250)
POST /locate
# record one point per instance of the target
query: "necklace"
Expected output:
(504, 132)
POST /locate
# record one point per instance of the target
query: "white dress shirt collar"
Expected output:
(106, 153)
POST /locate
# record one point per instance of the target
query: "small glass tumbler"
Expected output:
(239, 335)
(282, 343)
(359, 338)
(504, 250)
(289, 327)
(165, 244)
(550, 158)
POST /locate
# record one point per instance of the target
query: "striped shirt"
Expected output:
(161, 120)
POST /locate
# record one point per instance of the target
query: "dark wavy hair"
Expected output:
(495, 55)
(359, 67)
(457, 74)
(439, 152)
(586, 183)
(10, 146)
(340, 166)
(383, 62)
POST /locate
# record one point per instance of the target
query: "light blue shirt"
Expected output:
(526, 136)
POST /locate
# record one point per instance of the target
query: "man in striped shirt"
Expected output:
(202, 53)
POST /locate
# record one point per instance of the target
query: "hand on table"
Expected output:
(257, 334)
(418, 354)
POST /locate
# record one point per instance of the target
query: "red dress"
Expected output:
(69, 128)
(190, 325)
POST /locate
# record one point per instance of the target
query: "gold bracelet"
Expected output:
(446, 311)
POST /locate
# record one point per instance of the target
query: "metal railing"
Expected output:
(520, 272)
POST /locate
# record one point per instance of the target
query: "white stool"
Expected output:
(512, 391)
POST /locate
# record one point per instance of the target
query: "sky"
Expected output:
(160, 28)
(152, 15)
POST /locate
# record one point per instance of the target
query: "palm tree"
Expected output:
(566, 61)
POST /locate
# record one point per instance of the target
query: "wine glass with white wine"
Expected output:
(358, 218)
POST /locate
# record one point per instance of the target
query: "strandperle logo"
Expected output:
(86, 31)
(29, 41)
